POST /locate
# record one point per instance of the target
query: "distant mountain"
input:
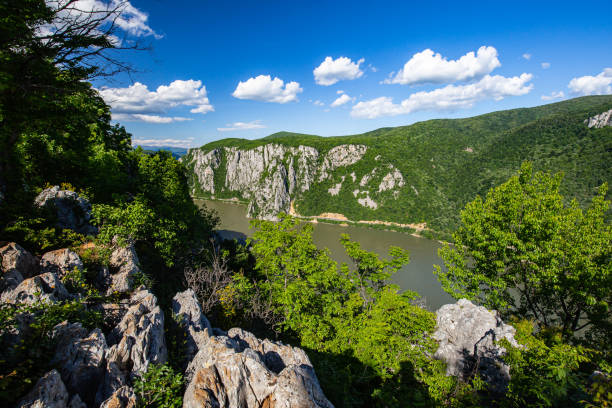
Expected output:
(425, 172)
(177, 152)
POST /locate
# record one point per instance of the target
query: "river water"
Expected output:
(417, 275)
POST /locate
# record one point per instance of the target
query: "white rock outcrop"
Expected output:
(236, 369)
(72, 211)
(467, 335)
(599, 121)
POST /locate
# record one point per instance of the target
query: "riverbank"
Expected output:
(419, 230)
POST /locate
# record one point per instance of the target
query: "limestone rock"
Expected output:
(204, 166)
(391, 180)
(138, 340)
(599, 121)
(73, 212)
(80, 358)
(46, 287)
(124, 265)
(60, 262)
(186, 308)
(341, 156)
(124, 397)
(14, 258)
(467, 334)
(49, 392)
(228, 373)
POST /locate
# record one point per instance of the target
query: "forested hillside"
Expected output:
(443, 163)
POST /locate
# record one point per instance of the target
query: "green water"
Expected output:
(417, 275)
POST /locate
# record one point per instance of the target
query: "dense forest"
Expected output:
(447, 163)
(523, 246)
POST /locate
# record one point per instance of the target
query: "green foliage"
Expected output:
(441, 176)
(522, 251)
(159, 212)
(160, 386)
(544, 370)
(24, 361)
(372, 344)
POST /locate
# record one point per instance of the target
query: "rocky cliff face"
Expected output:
(271, 176)
(599, 121)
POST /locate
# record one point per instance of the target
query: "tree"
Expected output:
(48, 49)
(523, 252)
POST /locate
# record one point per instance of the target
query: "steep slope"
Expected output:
(425, 172)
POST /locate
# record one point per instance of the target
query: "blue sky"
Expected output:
(390, 64)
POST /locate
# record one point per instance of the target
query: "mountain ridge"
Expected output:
(436, 166)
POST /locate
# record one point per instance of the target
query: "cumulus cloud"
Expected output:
(342, 99)
(256, 124)
(318, 103)
(545, 65)
(527, 56)
(264, 88)
(553, 95)
(139, 117)
(429, 67)
(600, 84)
(137, 99)
(449, 97)
(121, 13)
(333, 70)
(185, 143)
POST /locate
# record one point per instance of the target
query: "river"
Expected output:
(417, 275)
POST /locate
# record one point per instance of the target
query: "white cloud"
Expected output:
(185, 143)
(342, 99)
(429, 67)
(447, 98)
(264, 88)
(339, 91)
(122, 14)
(553, 95)
(137, 99)
(592, 85)
(150, 118)
(318, 103)
(256, 124)
(333, 70)
(545, 65)
(527, 56)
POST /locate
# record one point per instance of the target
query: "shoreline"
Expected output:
(341, 220)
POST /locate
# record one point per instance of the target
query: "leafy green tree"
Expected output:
(522, 251)
(370, 343)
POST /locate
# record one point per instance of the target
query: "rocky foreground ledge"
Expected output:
(93, 368)
(225, 369)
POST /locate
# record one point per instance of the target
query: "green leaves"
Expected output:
(160, 387)
(522, 251)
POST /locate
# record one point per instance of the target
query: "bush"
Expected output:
(160, 386)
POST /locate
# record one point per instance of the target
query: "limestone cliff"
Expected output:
(272, 175)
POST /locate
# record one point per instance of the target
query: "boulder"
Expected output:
(46, 287)
(224, 374)
(49, 392)
(124, 397)
(240, 370)
(80, 358)
(186, 308)
(136, 342)
(467, 335)
(15, 257)
(124, 265)
(60, 262)
(72, 211)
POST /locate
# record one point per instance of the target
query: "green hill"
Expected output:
(444, 163)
